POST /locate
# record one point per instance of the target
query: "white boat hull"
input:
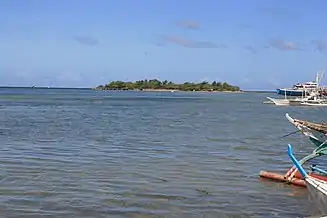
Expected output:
(298, 102)
(279, 101)
(318, 193)
(319, 104)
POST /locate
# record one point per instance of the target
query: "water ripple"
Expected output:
(82, 153)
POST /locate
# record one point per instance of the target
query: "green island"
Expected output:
(157, 85)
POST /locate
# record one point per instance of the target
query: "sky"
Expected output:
(255, 44)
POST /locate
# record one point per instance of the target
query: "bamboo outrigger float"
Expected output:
(292, 176)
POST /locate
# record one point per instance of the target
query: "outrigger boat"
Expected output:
(312, 99)
(292, 176)
(308, 94)
(317, 187)
(317, 133)
(290, 101)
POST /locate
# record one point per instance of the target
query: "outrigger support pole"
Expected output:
(316, 153)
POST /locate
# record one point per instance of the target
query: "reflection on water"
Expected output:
(84, 153)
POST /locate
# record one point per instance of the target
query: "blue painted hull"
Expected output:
(290, 92)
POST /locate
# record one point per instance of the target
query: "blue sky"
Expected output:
(256, 44)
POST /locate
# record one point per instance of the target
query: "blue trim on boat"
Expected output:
(290, 92)
(318, 170)
(296, 162)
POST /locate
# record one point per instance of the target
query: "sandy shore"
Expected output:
(170, 90)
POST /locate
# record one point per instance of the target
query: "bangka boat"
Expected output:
(287, 101)
(317, 187)
(312, 99)
(316, 132)
(298, 101)
(292, 176)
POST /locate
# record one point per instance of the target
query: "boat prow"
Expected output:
(309, 129)
(299, 126)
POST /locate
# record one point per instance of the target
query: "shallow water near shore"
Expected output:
(86, 153)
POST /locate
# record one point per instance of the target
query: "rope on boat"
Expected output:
(290, 134)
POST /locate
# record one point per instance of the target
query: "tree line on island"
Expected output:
(155, 84)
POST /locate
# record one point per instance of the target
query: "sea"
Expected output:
(87, 153)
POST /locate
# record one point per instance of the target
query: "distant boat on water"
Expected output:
(308, 94)
(302, 89)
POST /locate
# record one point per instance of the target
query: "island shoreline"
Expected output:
(154, 85)
(169, 90)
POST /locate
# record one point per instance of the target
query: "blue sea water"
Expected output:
(86, 153)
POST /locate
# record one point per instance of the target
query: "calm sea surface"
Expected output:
(83, 153)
